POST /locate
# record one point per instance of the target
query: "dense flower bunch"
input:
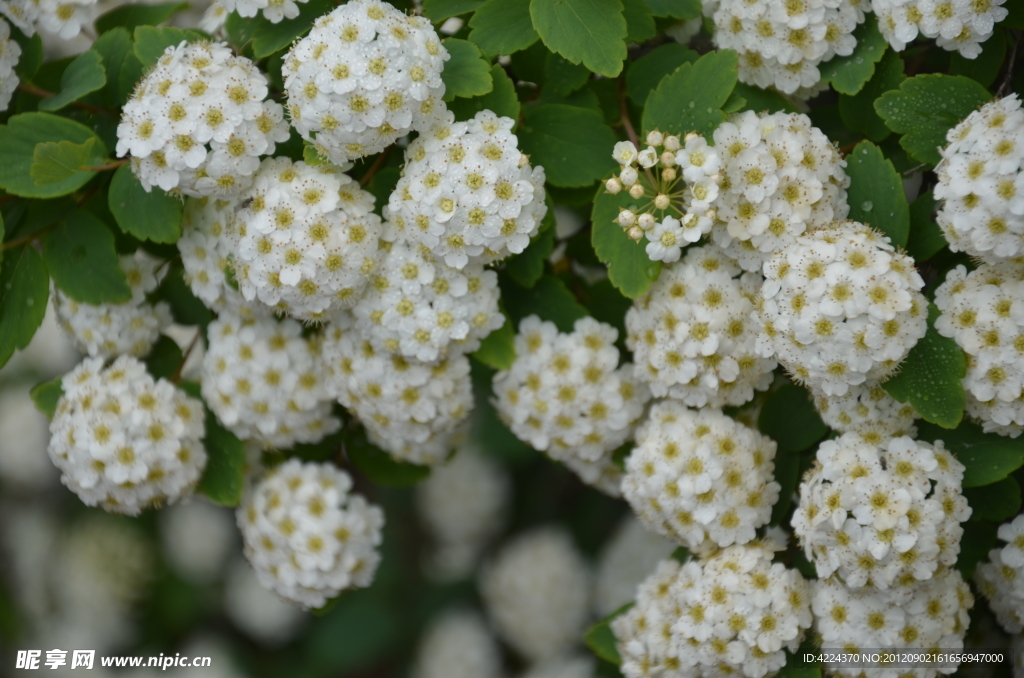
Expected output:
(781, 44)
(955, 26)
(420, 308)
(981, 185)
(263, 380)
(206, 247)
(63, 17)
(984, 312)
(566, 395)
(365, 75)
(1001, 577)
(467, 192)
(124, 441)
(199, 120)
(409, 408)
(10, 52)
(273, 10)
(780, 177)
(733, 613)
(458, 645)
(536, 592)
(631, 553)
(307, 536)
(305, 239)
(841, 307)
(869, 412)
(692, 335)
(571, 666)
(109, 330)
(881, 515)
(674, 183)
(699, 477)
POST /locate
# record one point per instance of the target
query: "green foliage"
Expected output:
(498, 348)
(18, 139)
(268, 37)
(185, 307)
(147, 215)
(876, 194)
(848, 74)
(926, 238)
(130, 16)
(549, 299)
(527, 268)
(630, 270)
(82, 260)
(54, 161)
(31, 53)
(563, 76)
(467, 73)
(83, 75)
(501, 99)
(996, 502)
(987, 457)
(46, 394)
(24, 292)
(925, 107)
(164, 358)
(759, 100)
(985, 68)
(572, 144)
(503, 27)
(601, 640)
(115, 46)
(378, 465)
(789, 418)
(645, 73)
(691, 98)
(223, 478)
(439, 10)
(858, 110)
(639, 22)
(151, 42)
(591, 32)
(977, 541)
(677, 9)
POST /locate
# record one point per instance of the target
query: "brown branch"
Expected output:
(377, 164)
(24, 239)
(176, 377)
(1008, 78)
(624, 115)
(114, 164)
(46, 94)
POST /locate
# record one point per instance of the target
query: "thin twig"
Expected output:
(624, 113)
(1009, 66)
(377, 164)
(114, 164)
(176, 377)
(11, 244)
(46, 94)
(914, 169)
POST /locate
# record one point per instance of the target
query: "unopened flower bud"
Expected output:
(635, 233)
(662, 201)
(654, 138)
(646, 221)
(672, 143)
(691, 135)
(636, 191)
(628, 176)
(613, 185)
(626, 218)
(668, 174)
(668, 159)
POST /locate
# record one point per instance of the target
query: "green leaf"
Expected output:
(985, 68)
(564, 76)
(987, 457)
(549, 299)
(24, 292)
(503, 27)
(734, 103)
(498, 348)
(789, 418)
(639, 22)
(796, 668)
(501, 100)
(164, 358)
(311, 156)
(977, 541)
(691, 98)
(787, 475)
(876, 194)
(268, 37)
(645, 73)
(80, 255)
(848, 74)
(858, 111)
(926, 239)
(926, 107)
(46, 394)
(186, 308)
(759, 100)
(630, 270)
(129, 76)
(112, 46)
(31, 53)
(930, 378)
(147, 215)
(996, 502)
(678, 9)
(439, 10)
(18, 139)
(608, 304)
(527, 267)
(467, 73)
(54, 161)
(601, 640)
(151, 42)
(379, 466)
(223, 478)
(130, 16)
(83, 75)
(571, 143)
(591, 32)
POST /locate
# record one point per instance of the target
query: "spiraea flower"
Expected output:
(108, 330)
(123, 441)
(365, 75)
(198, 122)
(273, 10)
(984, 312)
(63, 17)
(566, 395)
(304, 239)
(884, 515)
(467, 192)
(868, 411)
(10, 53)
(627, 558)
(458, 644)
(699, 477)
(264, 381)
(692, 336)
(1001, 577)
(307, 535)
(841, 307)
(981, 183)
(955, 26)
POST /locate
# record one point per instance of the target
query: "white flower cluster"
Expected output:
(883, 515)
(410, 409)
(568, 666)
(1001, 578)
(692, 335)
(123, 441)
(199, 120)
(256, 610)
(674, 183)
(954, 24)
(458, 645)
(781, 44)
(417, 306)
(307, 536)
(198, 538)
(699, 477)
(630, 554)
(566, 395)
(981, 183)
(63, 17)
(984, 312)
(467, 192)
(780, 177)
(733, 614)
(108, 330)
(365, 75)
(273, 10)
(868, 411)
(206, 247)
(10, 52)
(926, 616)
(536, 593)
(305, 237)
(841, 307)
(263, 380)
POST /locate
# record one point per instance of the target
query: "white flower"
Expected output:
(954, 24)
(458, 644)
(626, 559)
(10, 52)
(624, 153)
(870, 412)
(272, 11)
(256, 611)
(198, 537)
